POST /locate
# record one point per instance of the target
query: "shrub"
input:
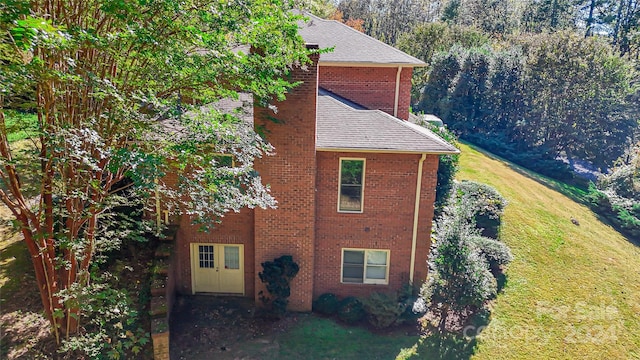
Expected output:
(351, 310)
(485, 204)
(495, 252)
(277, 275)
(617, 195)
(459, 280)
(598, 200)
(383, 310)
(447, 167)
(326, 304)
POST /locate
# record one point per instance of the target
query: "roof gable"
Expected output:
(351, 46)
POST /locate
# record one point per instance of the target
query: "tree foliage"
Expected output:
(559, 94)
(463, 265)
(117, 87)
(459, 279)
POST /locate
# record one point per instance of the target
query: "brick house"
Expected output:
(354, 180)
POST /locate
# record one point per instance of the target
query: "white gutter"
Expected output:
(416, 210)
(397, 99)
(370, 64)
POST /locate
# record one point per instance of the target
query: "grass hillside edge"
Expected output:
(573, 291)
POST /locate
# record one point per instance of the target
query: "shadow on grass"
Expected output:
(16, 273)
(446, 346)
(24, 332)
(459, 345)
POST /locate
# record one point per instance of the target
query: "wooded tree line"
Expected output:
(531, 80)
(528, 100)
(618, 20)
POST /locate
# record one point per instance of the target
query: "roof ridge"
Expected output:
(306, 13)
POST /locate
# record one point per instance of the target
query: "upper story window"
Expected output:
(351, 188)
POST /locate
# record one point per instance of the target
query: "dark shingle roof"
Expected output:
(350, 45)
(341, 126)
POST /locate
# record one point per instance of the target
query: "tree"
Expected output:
(549, 15)
(491, 16)
(579, 91)
(459, 279)
(117, 86)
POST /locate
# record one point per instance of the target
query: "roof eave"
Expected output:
(368, 64)
(386, 151)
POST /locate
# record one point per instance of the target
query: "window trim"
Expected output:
(364, 169)
(366, 281)
(225, 155)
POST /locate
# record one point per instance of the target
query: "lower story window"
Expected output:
(364, 266)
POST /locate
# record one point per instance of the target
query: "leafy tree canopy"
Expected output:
(118, 88)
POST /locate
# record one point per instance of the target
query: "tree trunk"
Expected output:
(589, 31)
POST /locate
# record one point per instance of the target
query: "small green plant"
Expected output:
(326, 304)
(112, 330)
(277, 276)
(447, 167)
(351, 310)
(383, 310)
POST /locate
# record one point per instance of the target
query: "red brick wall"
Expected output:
(372, 87)
(386, 222)
(236, 228)
(427, 198)
(291, 173)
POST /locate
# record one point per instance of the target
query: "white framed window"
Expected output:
(351, 185)
(224, 160)
(365, 266)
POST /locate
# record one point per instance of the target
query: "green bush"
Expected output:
(326, 304)
(447, 167)
(495, 252)
(485, 204)
(459, 280)
(277, 275)
(383, 310)
(617, 195)
(598, 200)
(351, 310)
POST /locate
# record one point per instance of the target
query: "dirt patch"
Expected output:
(214, 327)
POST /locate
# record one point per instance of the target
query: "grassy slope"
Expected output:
(572, 291)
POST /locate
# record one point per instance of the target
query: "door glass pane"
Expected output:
(205, 255)
(231, 257)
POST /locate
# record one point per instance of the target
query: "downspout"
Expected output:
(416, 211)
(397, 98)
(158, 212)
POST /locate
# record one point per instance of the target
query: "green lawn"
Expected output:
(572, 291)
(20, 125)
